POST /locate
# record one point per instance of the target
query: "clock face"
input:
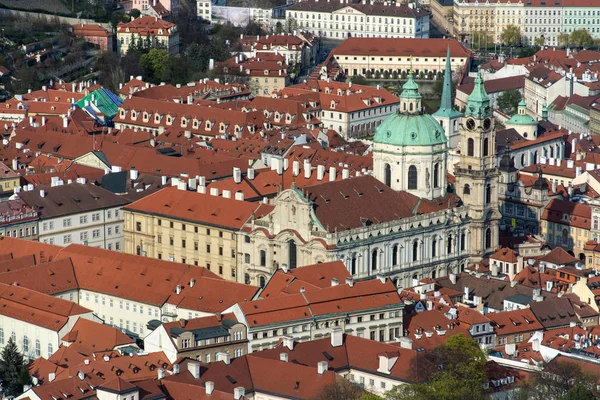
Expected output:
(487, 123)
(470, 124)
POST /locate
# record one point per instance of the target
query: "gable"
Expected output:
(349, 11)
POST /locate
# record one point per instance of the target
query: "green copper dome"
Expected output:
(478, 102)
(410, 89)
(410, 130)
(521, 117)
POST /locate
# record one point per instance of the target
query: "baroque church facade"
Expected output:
(404, 222)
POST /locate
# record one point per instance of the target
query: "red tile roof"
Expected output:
(87, 337)
(577, 214)
(401, 47)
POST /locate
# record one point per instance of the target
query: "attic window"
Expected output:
(231, 379)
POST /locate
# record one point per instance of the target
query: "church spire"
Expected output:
(446, 107)
(478, 102)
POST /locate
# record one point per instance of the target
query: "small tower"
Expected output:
(446, 115)
(477, 172)
(544, 112)
(523, 123)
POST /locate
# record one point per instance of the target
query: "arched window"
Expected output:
(463, 238)
(433, 274)
(470, 147)
(488, 238)
(292, 252)
(412, 177)
(410, 107)
(138, 250)
(374, 259)
(395, 255)
(38, 349)
(25, 344)
(485, 147)
(415, 255)
(467, 189)
(488, 193)
(353, 264)
(434, 247)
(388, 175)
(523, 159)
(262, 281)
(449, 249)
(436, 175)
(50, 349)
(263, 258)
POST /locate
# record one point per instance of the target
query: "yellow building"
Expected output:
(442, 15)
(188, 227)
(471, 16)
(567, 225)
(9, 179)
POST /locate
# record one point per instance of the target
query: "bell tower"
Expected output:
(477, 171)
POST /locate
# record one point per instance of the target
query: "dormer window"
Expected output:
(169, 120)
(333, 104)
(195, 123)
(121, 113)
(184, 122)
(208, 126)
(266, 72)
(222, 127)
(133, 115)
(157, 118)
(146, 116)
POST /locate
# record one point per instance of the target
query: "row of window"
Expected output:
(382, 20)
(196, 246)
(20, 232)
(26, 345)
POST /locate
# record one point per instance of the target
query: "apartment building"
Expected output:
(311, 314)
(514, 327)
(200, 339)
(357, 56)
(351, 110)
(95, 34)
(9, 179)
(18, 219)
(36, 322)
(267, 72)
(77, 213)
(567, 224)
(300, 48)
(342, 19)
(147, 32)
(122, 290)
(472, 16)
(189, 227)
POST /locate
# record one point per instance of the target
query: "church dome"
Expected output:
(410, 126)
(410, 130)
(521, 117)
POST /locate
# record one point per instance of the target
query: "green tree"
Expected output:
(564, 39)
(454, 371)
(156, 65)
(291, 25)
(135, 13)
(479, 40)
(581, 38)
(561, 379)
(579, 392)
(358, 80)
(527, 51)
(509, 100)
(342, 389)
(13, 371)
(540, 41)
(511, 35)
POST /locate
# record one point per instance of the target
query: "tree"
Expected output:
(481, 39)
(135, 13)
(563, 39)
(561, 379)
(358, 79)
(511, 35)
(155, 64)
(13, 371)
(453, 371)
(509, 100)
(581, 38)
(291, 25)
(342, 389)
(540, 41)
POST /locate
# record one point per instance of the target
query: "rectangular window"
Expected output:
(83, 219)
(67, 239)
(66, 222)
(183, 243)
(208, 248)
(138, 226)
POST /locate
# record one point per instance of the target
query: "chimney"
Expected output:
(307, 168)
(223, 356)
(181, 185)
(81, 375)
(42, 193)
(15, 164)
(239, 392)
(337, 337)
(237, 175)
(283, 357)
(350, 281)
(201, 189)
(214, 191)
(178, 289)
(320, 172)
(250, 174)
(322, 366)
(192, 183)
(466, 293)
(51, 376)
(239, 196)
(452, 278)
(163, 180)
(295, 168)
(161, 373)
(405, 343)
(331, 174)
(65, 121)
(175, 369)
(494, 269)
(209, 386)
(334, 282)
(226, 194)
(194, 369)
(133, 174)
(288, 342)
(345, 173)
(192, 282)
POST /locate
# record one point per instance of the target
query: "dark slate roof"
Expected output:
(554, 313)
(115, 182)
